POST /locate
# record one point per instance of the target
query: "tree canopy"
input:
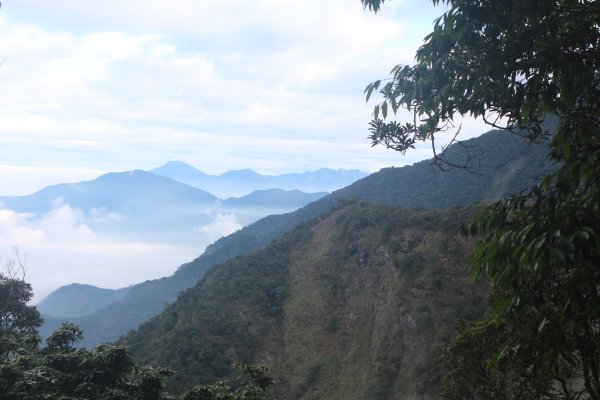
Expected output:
(512, 63)
(61, 370)
(518, 64)
(15, 314)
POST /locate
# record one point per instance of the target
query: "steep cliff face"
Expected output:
(355, 305)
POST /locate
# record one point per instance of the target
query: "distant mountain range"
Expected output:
(148, 206)
(506, 165)
(124, 227)
(131, 192)
(241, 182)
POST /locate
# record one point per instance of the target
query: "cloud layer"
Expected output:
(62, 248)
(271, 85)
(91, 87)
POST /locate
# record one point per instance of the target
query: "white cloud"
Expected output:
(221, 225)
(61, 249)
(14, 229)
(64, 223)
(90, 87)
(103, 215)
(130, 84)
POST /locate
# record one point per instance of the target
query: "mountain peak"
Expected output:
(241, 173)
(240, 182)
(177, 168)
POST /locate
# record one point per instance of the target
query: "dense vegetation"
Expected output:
(514, 64)
(358, 301)
(59, 370)
(500, 165)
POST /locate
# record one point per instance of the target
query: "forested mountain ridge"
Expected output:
(77, 300)
(499, 164)
(279, 197)
(354, 304)
(506, 164)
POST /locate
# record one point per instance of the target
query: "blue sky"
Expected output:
(273, 85)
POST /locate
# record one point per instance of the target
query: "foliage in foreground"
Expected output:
(515, 63)
(60, 370)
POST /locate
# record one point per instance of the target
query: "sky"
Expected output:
(89, 87)
(273, 85)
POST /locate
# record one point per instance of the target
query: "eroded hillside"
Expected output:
(356, 304)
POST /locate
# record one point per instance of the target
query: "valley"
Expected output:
(463, 266)
(502, 171)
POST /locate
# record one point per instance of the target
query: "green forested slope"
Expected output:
(355, 304)
(500, 164)
(505, 164)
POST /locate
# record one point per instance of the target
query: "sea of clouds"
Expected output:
(62, 247)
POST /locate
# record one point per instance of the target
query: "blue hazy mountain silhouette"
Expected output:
(145, 206)
(242, 182)
(131, 191)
